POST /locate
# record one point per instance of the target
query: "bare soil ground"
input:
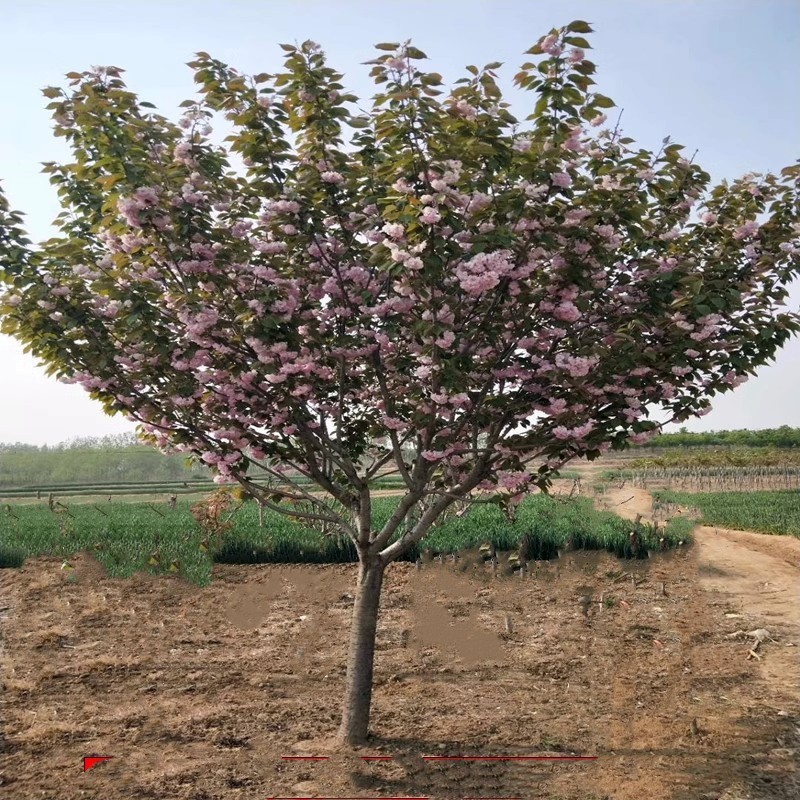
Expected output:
(202, 694)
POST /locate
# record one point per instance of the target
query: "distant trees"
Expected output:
(785, 436)
(112, 440)
(92, 460)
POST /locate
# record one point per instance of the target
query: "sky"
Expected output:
(719, 76)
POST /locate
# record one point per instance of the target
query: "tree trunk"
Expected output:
(360, 658)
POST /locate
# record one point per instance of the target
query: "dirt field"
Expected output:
(200, 694)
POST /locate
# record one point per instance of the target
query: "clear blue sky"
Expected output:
(717, 75)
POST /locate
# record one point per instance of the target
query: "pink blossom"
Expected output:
(583, 430)
(551, 46)
(708, 218)
(464, 109)
(748, 229)
(129, 208)
(567, 312)
(394, 230)
(511, 480)
(562, 179)
(430, 216)
(667, 391)
(332, 177)
(484, 271)
(576, 55)
(598, 120)
(575, 216)
(446, 340)
(581, 247)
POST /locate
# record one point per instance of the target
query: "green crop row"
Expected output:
(128, 537)
(766, 512)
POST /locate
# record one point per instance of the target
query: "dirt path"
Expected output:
(757, 575)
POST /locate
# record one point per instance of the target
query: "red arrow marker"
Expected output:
(93, 761)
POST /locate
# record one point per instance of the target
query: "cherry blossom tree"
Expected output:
(446, 291)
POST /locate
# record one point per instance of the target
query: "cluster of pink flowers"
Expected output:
(551, 45)
(579, 432)
(484, 271)
(430, 216)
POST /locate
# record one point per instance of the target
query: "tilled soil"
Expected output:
(212, 693)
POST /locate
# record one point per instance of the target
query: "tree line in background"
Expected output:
(121, 457)
(784, 436)
(93, 459)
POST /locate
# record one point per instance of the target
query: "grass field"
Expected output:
(767, 512)
(128, 537)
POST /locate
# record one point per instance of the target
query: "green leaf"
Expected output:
(577, 41)
(602, 101)
(289, 48)
(471, 68)
(415, 53)
(579, 26)
(52, 92)
(388, 46)
(431, 79)
(358, 122)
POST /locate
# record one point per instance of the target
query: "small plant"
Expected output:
(214, 516)
(549, 743)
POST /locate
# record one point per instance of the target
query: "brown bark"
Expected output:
(358, 683)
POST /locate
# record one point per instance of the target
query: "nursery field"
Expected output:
(129, 537)
(766, 512)
(703, 470)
